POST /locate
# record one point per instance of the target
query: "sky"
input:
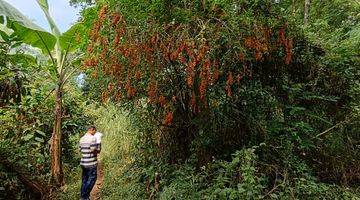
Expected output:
(60, 10)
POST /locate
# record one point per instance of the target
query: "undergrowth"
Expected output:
(244, 176)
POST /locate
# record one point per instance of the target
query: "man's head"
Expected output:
(91, 130)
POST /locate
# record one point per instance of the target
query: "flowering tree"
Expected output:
(182, 69)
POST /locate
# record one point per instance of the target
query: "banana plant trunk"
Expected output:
(56, 164)
(306, 12)
(293, 7)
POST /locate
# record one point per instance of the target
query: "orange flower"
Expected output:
(168, 118)
(102, 13)
(116, 19)
(230, 79)
(104, 96)
(90, 49)
(249, 42)
(86, 63)
(131, 92)
(154, 39)
(238, 78)
(128, 84)
(191, 73)
(103, 54)
(174, 55)
(182, 59)
(104, 42)
(188, 51)
(152, 92)
(138, 75)
(190, 81)
(94, 74)
(110, 86)
(228, 90)
(94, 34)
(126, 53)
(282, 35)
(78, 38)
(202, 89)
(162, 100)
(216, 75)
(288, 50)
(242, 57)
(258, 55)
(117, 39)
(229, 83)
(118, 96)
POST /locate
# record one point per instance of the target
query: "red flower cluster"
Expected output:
(168, 118)
(229, 83)
(157, 64)
(288, 45)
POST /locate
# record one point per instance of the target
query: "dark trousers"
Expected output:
(89, 175)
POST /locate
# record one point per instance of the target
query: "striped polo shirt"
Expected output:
(88, 150)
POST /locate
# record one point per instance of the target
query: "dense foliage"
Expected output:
(206, 79)
(26, 112)
(197, 99)
(26, 119)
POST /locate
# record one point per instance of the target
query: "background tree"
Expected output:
(82, 3)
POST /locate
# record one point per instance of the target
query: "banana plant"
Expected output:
(57, 46)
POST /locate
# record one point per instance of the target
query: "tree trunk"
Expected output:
(306, 12)
(55, 151)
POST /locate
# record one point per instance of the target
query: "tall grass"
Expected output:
(117, 143)
(71, 190)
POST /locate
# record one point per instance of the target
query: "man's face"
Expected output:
(92, 131)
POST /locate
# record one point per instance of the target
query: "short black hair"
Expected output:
(91, 127)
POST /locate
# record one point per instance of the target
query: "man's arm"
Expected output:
(93, 145)
(98, 147)
(98, 141)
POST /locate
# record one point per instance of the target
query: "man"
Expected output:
(89, 151)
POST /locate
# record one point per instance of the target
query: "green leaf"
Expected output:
(68, 39)
(41, 133)
(45, 7)
(25, 29)
(26, 129)
(43, 4)
(43, 40)
(13, 14)
(5, 32)
(39, 139)
(24, 59)
(27, 137)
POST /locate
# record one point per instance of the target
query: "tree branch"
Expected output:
(331, 128)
